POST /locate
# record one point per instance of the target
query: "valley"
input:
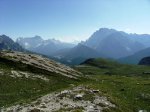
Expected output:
(74, 56)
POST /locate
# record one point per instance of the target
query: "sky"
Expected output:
(72, 20)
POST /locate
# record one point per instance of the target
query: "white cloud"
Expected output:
(128, 30)
(74, 38)
(71, 38)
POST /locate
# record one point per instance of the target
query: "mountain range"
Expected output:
(45, 47)
(114, 44)
(104, 43)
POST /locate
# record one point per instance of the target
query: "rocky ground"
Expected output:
(79, 98)
(41, 63)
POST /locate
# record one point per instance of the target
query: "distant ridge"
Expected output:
(77, 54)
(104, 43)
(45, 47)
(6, 43)
(135, 58)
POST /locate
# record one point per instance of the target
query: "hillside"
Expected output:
(145, 61)
(111, 67)
(126, 85)
(24, 77)
(39, 62)
(30, 82)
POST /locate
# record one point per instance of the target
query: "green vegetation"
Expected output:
(24, 90)
(78, 109)
(125, 85)
(128, 93)
(109, 67)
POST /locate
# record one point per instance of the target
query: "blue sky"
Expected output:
(70, 20)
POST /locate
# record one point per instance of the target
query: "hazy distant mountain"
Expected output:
(135, 58)
(82, 51)
(77, 54)
(115, 44)
(144, 39)
(6, 43)
(141, 38)
(30, 42)
(46, 47)
(98, 36)
(106, 43)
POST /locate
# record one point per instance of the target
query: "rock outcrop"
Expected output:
(40, 63)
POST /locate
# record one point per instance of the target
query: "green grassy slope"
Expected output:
(109, 67)
(125, 85)
(22, 89)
